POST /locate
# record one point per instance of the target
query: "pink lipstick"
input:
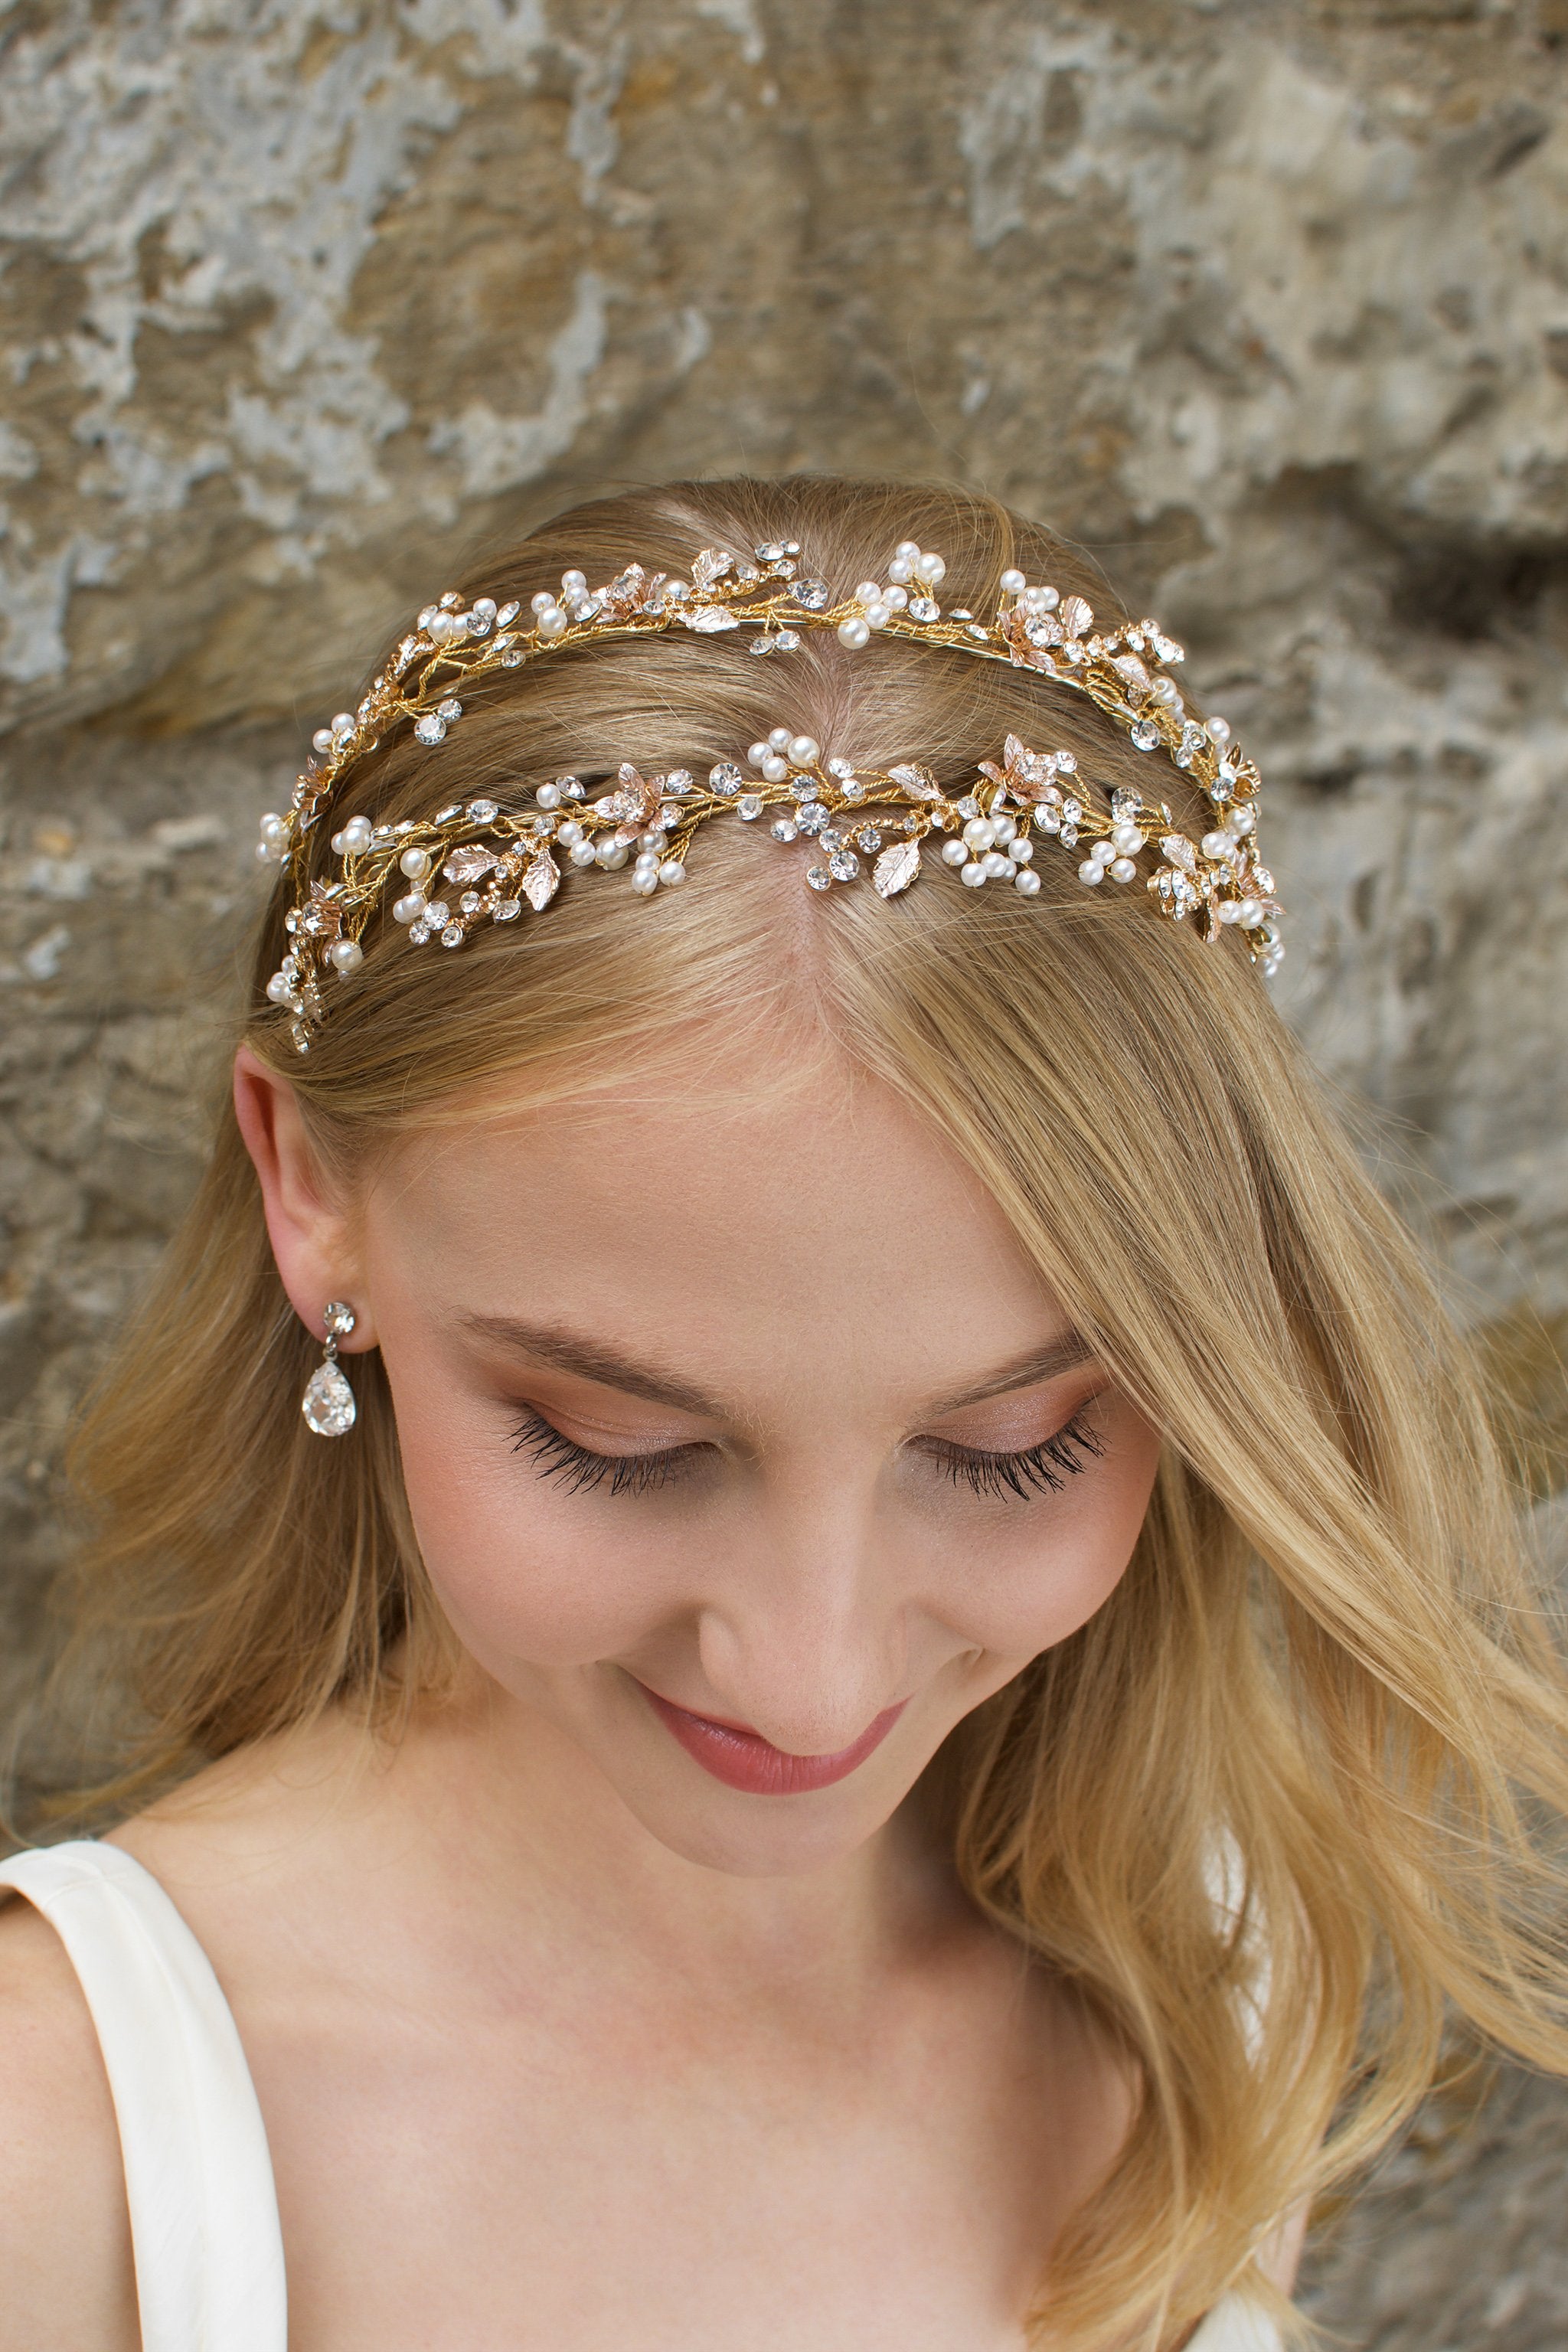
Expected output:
(744, 1760)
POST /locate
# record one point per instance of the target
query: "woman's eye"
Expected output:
(580, 1470)
(1041, 1469)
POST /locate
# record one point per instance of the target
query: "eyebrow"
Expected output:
(567, 1352)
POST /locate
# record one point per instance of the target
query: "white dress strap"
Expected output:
(199, 2176)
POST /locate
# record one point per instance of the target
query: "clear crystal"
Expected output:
(452, 937)
(1069, 837)
(1124, 806)
(853, 789)
(338, 1319)
(806, 787)
(449, 709)
(844, 865)
(509, 612)
(761, 645)
(506, 910)
(819, 878)
(812, 595)
(812, 818)
(785, 828)
(444, 816)
(1072, 811)
(431, 729)
(419, 931)
(786, 642)
(842, 769)
(924, 608)
(868, 838)
(830, 839)
(482, 811)
(470, 902)
(1143, 734)
(726, 779)
(679, 783)
(328, 1404)
(750, 805)
(968, 807)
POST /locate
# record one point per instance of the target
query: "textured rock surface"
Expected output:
(1269, 303)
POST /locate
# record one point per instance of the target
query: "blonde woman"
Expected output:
(883, 1691)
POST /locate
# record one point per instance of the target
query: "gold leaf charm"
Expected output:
(896, 868)
(710, 565)
(542, 881)
(1077, 617)
(468, 865)
(918, 782)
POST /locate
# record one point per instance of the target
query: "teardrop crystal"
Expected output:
(328, 1404)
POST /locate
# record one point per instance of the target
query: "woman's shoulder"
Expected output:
(65, 2234)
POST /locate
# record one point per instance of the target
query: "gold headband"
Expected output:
(499, 862)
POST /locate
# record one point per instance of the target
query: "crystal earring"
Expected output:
(328, 1404)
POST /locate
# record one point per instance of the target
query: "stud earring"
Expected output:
(328, 1404)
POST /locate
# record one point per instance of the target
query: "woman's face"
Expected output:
(742, 1442)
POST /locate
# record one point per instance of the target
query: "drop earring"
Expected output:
(328, 1404)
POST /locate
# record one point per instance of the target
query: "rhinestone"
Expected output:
(787, 641)
(819, 878)
(968, 806)
(512, 660)
(769, 551)
(452, 937)
(1124, 806)
(830, 840)
(419, 933)
(924, 608)
(750, 805)
(726, 779)
(812, 818)
(1072, 811)
(444, 816)
(785, 828)
(812, 596)
(790, 546)
(1143, 734)
(482, 811)
(506, 910)
(328, 1404)
(436, 913)
(761, 645)
(844, 865)
(509, 612)
(1069, 837)
(852, 789)
(679, 783)
(806, 787)
(470, 902)
(449, 709)
(868, 838)
(1193, 738)
(431, 729)
(977, 632)
(842, 769)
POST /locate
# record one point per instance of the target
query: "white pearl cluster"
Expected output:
(993, 849)
(911, 567)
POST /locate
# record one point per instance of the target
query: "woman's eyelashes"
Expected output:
(1023, 1475)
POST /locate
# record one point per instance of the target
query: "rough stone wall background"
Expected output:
(1266, 301)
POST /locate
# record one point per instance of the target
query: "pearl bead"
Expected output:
(979, 833)
(1242, 820)
(611, 854)
(1218, 845)
(1127, 838)
(1165, 690)
(878, 616)
(998, 865)
(278, 989)
(896, 597)
(779, 739)
(415, 864)
(583, 854)
(757, 754)
(1102, 853)
(645, 863)
(1218, 731)
(1021, 850)
(1004, 829)
(357, 834)
(272, 826)
(346, 954)
(484, 606)
(1122, 870)
(868, 593)
(775, 767)
(972, 876)
(409, 909)
(932, 570)
(1228, 911)
(954, 853)
(1013, 582)
(803, 750)
(1091, 871)
(338, 845)
(573, 583)
(1249, 914)
(548, 796)
(553, 623)
(544, 602)
(569, 833)
(907, 552)
(672, 871)
(853, 632)
(645, 880)
(322, 740)
(1027, 880)
(899, 571)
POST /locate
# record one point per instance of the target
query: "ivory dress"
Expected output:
(199, 2176)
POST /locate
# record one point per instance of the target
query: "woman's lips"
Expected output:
(744, 1760)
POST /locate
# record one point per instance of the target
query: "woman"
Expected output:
(884, 1687)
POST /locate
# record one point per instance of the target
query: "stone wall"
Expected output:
(1267, 302)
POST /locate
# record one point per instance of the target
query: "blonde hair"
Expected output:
(1274, 1808)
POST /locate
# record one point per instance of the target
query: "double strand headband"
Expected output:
(473, 861)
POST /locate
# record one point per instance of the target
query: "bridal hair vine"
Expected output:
(497, 861)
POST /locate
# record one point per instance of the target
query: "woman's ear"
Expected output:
(312, 1238)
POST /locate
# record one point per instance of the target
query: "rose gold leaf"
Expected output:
(1179, 852)
(542, 881)
(896, 868)
(918, 782)
(710, 565)
(1077, 617)
(708, 619)
(468, 865)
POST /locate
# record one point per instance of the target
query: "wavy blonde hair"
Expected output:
(1306, 1746)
